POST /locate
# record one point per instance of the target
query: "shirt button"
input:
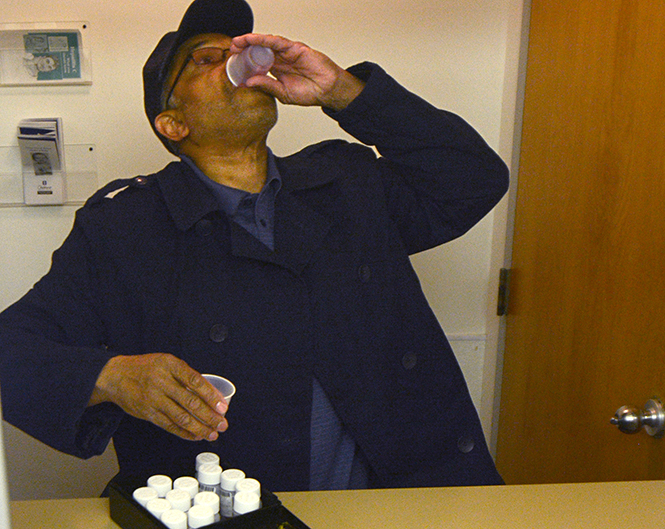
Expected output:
(364, 273)
(203, 227)
(465, 444)
(218, 333)
(409, 361)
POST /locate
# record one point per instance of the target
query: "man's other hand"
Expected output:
(164, 390)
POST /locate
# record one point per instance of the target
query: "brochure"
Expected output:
(40, 142)
(41, 57)
(42, 157)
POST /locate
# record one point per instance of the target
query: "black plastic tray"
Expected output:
(129, 514)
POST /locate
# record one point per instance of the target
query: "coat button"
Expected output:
(203, 227)
(141, 181)
(218, 333)
(287, 442)
(409, 361)
(364, 273)
(465, 444)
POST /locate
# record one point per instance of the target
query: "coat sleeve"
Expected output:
(51, 352)
(440, 177)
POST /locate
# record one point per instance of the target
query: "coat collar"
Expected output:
(299, 230)
(187, 198)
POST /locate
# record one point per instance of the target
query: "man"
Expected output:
(289, 276)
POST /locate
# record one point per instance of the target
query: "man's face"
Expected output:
(209, 104)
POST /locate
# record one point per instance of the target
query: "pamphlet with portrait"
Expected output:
(42, 57)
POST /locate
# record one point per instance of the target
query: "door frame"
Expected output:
(517, 40)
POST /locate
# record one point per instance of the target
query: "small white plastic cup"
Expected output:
(254, 60)
(224, 386)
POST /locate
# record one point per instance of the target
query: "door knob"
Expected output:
(630, 419)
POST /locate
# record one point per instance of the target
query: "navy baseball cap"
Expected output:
(228, 17)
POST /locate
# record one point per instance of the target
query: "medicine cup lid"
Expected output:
(230, 477)
(209, 474)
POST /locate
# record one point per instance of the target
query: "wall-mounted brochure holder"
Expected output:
(43, 54)
(79, 175)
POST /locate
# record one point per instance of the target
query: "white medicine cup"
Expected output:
(224, 386)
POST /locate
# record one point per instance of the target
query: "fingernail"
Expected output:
(222, 407)
(213, 436)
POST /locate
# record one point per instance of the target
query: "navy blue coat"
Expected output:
(158, 268)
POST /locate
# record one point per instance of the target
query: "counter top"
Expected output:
(582, 505)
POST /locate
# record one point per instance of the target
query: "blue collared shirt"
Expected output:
(255, 212)
(335, 461)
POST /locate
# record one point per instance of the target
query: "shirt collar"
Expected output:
(230, 198)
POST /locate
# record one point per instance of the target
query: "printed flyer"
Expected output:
(41, 57)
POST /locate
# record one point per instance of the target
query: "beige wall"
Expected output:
(452, 52)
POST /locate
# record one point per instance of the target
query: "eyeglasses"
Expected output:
(200, 57)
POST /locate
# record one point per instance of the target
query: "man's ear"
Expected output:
(170, 125)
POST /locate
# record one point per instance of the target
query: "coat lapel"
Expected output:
(299, 232)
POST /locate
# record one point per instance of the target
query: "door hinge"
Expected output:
(504, 291)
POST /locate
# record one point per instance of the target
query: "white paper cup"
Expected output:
(224, 386)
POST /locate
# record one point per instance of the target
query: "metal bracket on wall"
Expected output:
(504, 291)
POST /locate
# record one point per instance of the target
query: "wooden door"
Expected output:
(586, 326)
